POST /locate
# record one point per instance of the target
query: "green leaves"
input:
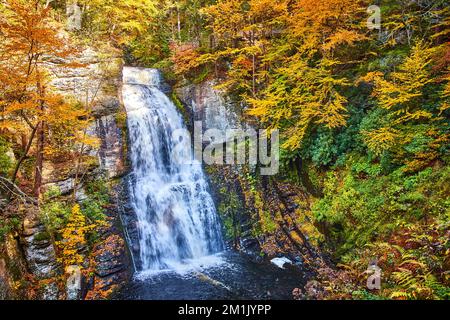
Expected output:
(5, 160)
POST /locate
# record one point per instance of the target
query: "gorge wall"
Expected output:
(29, 267)
(264, 216)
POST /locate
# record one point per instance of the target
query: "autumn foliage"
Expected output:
(74, 237)
(31, 111)
(363, 116)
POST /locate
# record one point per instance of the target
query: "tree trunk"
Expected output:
(178, 24)
(24, 156)
(39, 159)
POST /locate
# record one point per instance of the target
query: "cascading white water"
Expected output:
(177, 220)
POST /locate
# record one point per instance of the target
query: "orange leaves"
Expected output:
(341, 37)
(29, 30)
(326, 23)
(184, 57)
(29, 38)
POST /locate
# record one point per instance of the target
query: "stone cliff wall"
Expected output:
(29, 254)
(210, 106)
(262, 216)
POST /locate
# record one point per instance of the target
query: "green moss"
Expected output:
(181, 107)
(267, 223)
(360, 205)
(121, 120)
(229, 211)
(5, 161)
(42, 236)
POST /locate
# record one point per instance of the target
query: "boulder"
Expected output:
(73, 283)
(64, 186)
(280, 262)
(50, 291)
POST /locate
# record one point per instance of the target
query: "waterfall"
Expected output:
(176, 216)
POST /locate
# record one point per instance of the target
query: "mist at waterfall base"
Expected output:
(181, 250)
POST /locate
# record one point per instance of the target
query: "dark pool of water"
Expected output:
(239, 277)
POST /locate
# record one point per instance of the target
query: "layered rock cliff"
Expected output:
(262, 215)
(29, 256)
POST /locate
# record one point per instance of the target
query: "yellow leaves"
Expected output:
(380, 140)
(401, 90)
(123, 20)
(268, 10)
(87, 140)
(74, 237)
(422, 159)
(333, 113)
(408, 116)
(6, 124)
(371, 77)
(295, 136)
(401, 93)
(342, 36)
(326, 21)
(413, 69)
(261, 107)
(445, 106)
(300, 97)
(19, 106)
(400, 295)
(227, 18)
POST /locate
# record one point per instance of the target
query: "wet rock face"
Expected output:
(110, 152)
(229, 184)
(50, 292)
(112, 260)
(217, 111)
(129, 220)
(64, 186)
(113, 264)
(110, 257)
(210, 106)
(5, 290)
(38, 250)
(95, 83)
